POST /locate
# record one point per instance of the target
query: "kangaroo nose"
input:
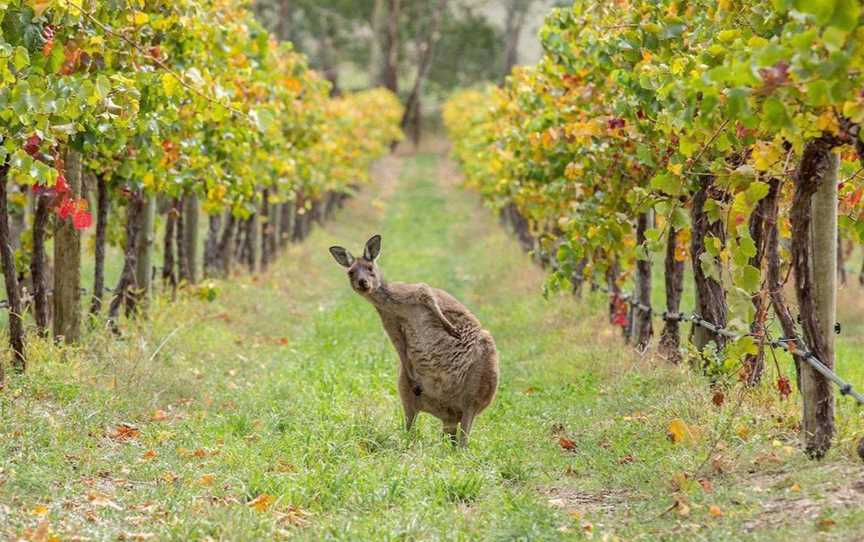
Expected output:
(364, 284)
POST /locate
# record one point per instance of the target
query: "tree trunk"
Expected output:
(670, 339)
(37, 265)
(517, 12)
(189, 263)
(67, 258)
(144, 246)
(169, 277)
(251, 243)
(427, 49)
(286, 223)
(211, 246)
(102, 202)
(775, 274)
(10, 276)
(644, 329)
(266, 229)
(710, 295)
(329, 65)
(814, 257)
(226, 245)
(754, 364)
(283, 25)
(125, 292)
(180, 242)
(390, 71)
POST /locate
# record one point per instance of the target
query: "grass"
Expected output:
(272, 412)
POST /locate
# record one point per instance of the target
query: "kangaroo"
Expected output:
(448, 362)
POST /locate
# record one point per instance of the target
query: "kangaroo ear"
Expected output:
(342, 256)
(373, 248)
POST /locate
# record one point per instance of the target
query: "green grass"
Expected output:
(285, 387)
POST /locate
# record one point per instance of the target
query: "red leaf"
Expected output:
(66, 208)
(82, 220)
(31, 146)
(61, 186)
(784, 387)
(719, 398)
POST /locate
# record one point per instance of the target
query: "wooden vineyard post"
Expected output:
(67, 264)
(190, 238)
(814, 258)
(144, 259)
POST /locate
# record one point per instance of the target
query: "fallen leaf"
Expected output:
(102, 501)
(678, 431)
(627, 459)
(706, 485)
(795, 487)
(719, 398)
(825, 523)
(169, 477)
(206, 480)
(124, 432)
(681, 507)
(262, 502)
(566, 443)
(150, 454)
(39, 510)
(199, 453)
(743, 432)
(159, 416)
(715, 511)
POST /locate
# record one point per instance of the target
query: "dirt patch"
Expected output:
(576, 501)
(784, 501)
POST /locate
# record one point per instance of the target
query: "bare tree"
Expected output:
(517, 14)
(426, 51)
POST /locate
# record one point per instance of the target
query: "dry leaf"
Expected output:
(715, 511)
(627, 459)
(199, 453)
(678, 432)
(681, 507)
(795, 487)
(150, 454)
(124, 432)
(39, 510)
(159, 416)
(206, 480)
(719, 398)
(102, 501)
(743, 432)
(825, 523)
(706, 485)
(566, 443)
(262, 502)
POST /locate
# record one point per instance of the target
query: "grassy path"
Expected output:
(281, 393)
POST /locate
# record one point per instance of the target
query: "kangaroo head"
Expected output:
(362, 272)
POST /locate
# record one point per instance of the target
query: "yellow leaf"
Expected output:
(827, 122)
(262, 502)
(678, 431)
(676, 168)
(139, 18)
(39, 510)
(715, 511)
(743, 432)
(765, 155)
(206, 480)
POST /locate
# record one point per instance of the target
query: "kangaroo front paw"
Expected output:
(452, 331)
(417, 390)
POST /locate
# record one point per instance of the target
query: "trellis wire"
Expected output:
(784, 343)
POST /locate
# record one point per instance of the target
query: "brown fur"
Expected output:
(448, 362)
